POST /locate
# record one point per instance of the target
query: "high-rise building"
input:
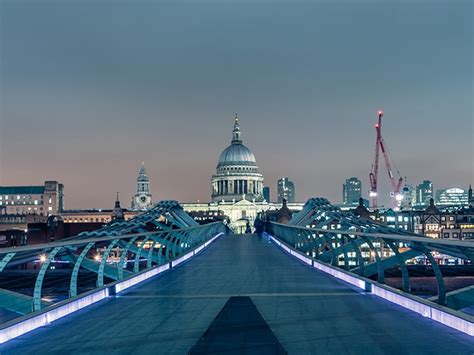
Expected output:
(40, 200)
(286, 190)
(408, 197)
(142, 199)
(351, 191)
(453, 196)
(266, 193)
(424, 192)
(470, 196)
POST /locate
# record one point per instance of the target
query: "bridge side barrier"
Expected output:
(123, 284)
(451, 318)
(32, 321)
(24, 324)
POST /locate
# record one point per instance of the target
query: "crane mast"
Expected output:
(373, 176)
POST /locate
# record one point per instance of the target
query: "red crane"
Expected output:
(381, 146)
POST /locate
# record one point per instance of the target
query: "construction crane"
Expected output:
(373, 176)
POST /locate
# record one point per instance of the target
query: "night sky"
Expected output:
(89, 89)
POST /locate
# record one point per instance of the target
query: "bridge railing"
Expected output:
(371, 254)
(39, 277)
(340, 253)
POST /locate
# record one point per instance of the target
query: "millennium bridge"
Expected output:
(161, 283)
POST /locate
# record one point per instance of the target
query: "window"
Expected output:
(451, 218)
(455, 235)
(446, 235)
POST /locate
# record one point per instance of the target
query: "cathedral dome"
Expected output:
(236, 154)
(237, 173)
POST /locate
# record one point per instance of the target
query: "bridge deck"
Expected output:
(307, 311)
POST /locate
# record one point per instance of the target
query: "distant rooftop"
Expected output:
(21, 190)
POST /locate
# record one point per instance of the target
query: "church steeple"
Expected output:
(117, 213)
(236, 132)
(117, 201)
(143, 182)
(142, 199)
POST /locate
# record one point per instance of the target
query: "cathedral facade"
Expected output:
(236, 187)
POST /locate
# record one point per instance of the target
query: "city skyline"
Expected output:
(86, 106)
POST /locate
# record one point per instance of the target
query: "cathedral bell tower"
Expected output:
(142, 199)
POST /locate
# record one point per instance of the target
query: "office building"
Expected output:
(424, 192)
(453, 196)
(42, 200)
(286, 190)
(351, 191)
(266, 193)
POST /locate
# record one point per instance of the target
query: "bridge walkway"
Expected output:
(308, 311)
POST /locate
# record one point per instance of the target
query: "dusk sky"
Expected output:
(89, 89)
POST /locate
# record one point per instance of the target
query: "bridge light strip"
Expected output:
(189, 255)
(403, 301)
(435, 312)
(132, 281)
(19, 327)
(359, 283)
(49, 316)
(198, 249)
(354, 281)
(182, 259)
(302, 257)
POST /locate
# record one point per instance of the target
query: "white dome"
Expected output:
(236, 154)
